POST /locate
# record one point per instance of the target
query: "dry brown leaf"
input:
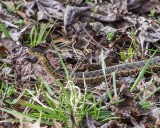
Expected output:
(91, 123)
(9, 4)
(77, 2)
(72, 12)
(56, 125)
(110, 12)
(8, 44)
(128, 108)
(47, 9)
(33, 125)
(2, 50)
(143, 6)
(148, 33)
(113, 124)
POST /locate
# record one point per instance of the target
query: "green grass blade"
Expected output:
(41, 33)
(35, 36)
(146, 104)
(62, 63)
(114, 84)
(147, 97)
(104, 72)
(18, 114)
(134, 42)
(49, 90)
(141, 74)
(64, 90)
(51, 113)
(143, 90)
(4, 30)
(28, 117)
(50, 28)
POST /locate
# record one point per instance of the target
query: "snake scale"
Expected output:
(97, 76)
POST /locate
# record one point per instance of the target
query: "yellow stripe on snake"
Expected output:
(97, 76)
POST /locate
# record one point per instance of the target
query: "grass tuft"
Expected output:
(39, 33)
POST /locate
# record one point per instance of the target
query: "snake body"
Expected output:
(97, 76)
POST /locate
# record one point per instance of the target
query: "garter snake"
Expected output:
(96, 76)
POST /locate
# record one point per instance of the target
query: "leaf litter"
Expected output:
(127, 31)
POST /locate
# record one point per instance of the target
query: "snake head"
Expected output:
(36, 52)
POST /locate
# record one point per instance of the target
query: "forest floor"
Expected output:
(79, 63)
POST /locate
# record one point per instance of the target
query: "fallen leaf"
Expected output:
(56, 125)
